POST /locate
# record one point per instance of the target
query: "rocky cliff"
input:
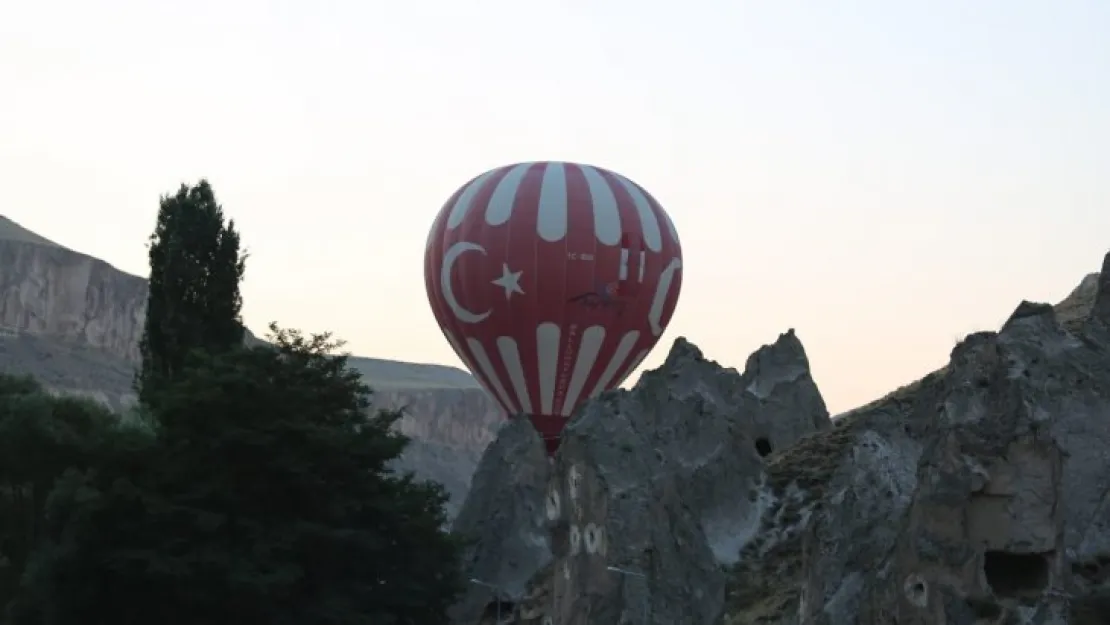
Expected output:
(651, 496)
(450, 428)
(48, 290)
(74, 322)
(976, 495)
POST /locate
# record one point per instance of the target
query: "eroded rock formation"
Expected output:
(432, 415)
(54, 291)
(653, 490)
(506, 524)
(997, 504)
(449, 428)
(976, 495)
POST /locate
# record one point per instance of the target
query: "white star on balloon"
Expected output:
(510, 281)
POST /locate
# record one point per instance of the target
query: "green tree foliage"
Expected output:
(41, 437)
(267, 498)
(252, 486)
(194, 301)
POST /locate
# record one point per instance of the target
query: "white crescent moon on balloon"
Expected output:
(449, 259)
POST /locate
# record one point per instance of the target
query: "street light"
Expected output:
(647, 590)
(497, 594)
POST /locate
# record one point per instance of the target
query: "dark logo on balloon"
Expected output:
(606, 296)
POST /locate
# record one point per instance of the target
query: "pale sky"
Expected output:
(884, 176)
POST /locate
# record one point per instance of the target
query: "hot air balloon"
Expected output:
(552, 281)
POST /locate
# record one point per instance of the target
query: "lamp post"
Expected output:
(647, 591)
(496, 594)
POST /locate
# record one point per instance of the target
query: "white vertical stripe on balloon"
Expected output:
(490, 374)
(623, 275)
(592, 339)
(648, 222)
(643, 263)
(551, 221)
(607, 220)
(500, 206)
(510, 356)
(547, 351)
(636, 362)
(628, 341)
(655, 314)
(466, 198)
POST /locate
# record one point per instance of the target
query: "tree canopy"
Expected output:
(256, 489)
(195, 270)
(267, 499)
(41, 437)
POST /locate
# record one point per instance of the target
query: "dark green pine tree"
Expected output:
(194, 301)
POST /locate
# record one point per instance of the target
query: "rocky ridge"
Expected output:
(652, 494)
(74, 323)
(976, 495)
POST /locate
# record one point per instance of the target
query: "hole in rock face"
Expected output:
(1092, 609)
(763, 446)
(917, 591)
(1016, 574)
(1093, 571)
(984, 608)
(489, 615)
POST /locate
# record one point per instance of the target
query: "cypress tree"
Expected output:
(194, 301)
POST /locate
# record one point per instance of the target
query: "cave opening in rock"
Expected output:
(498, 607)
(1016, 574)
(763, 446)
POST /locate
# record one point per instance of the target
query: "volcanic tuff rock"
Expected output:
(661, 482)
(46, 289)
(976, 495)
(967, 497)
(449, 427)
(506, 523)
(74, 322)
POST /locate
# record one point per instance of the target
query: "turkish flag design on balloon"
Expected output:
(552, 281)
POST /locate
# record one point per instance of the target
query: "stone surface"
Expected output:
(654, 490)
(504, 518)
(449, 428)
(56, 292)
(819, 534)
(990, 503)
(977, 495)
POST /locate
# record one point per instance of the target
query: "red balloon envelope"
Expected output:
(552, 281)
